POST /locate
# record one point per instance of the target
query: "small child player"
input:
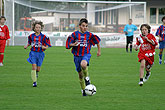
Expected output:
(39, 43)
(147, 43)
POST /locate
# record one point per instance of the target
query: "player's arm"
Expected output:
(125, 30)
(29, 43)
(158, 33)
(99, 50)
(137, 43)
(26, 46)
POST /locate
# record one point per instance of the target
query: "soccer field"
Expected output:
(115, 75)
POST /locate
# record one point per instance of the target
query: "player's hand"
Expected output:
(98, 53)
(160, 39)
(7, 42)
(25, 47)
(44, 47)
(75, 44)
(126, 32)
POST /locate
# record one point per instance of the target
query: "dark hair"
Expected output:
(2, 17)
(147, 26)
(130, 19)
(83, 20)
(37, 22)
(163, 18)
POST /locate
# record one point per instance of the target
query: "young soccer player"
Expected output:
(4, 36)
(129, 32)
(81, 42)
(39, 42)
(147, 43)
(161, 34)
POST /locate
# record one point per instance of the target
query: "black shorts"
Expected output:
(129, 39)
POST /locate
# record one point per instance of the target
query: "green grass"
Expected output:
(115, 74)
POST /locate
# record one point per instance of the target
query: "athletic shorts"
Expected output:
(162, 45)
(78, 59)
(36, 58)
(129, 39)
(2, 46)
(149, 59)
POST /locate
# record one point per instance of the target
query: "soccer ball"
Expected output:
(90, 90)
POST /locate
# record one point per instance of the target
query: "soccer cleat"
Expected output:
(141, 83)
(83, 93)
(87, 81)
(35, 84)
(146, 77)
(1, 64)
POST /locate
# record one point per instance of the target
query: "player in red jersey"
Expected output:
(4, 36)
(147, 43)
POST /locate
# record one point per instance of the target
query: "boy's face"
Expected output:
(37, 28)
(130, 21)
(163, 21)
(83, 27)
(2, 21)
(144, 31)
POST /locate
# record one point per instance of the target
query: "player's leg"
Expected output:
(160, 52)
(148, 72)
(40, 58)
(127, 42)
(131, 41)
(2, 49)
(82, 82)
(33, 75)
(38, 70)
(1, 59)
(84, 67)
(142, 66)
(77, 61)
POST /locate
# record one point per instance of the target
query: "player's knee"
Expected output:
(34, 67)
(84, 64)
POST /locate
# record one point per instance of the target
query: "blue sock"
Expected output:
(160, 56)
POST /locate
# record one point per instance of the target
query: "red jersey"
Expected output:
(147, 50)
(4, 33)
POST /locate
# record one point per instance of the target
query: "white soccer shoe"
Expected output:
(1, 64)
(146, 77)
(141, 83)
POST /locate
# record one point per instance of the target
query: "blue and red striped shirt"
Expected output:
(36, 42)
(85, 41)
(161, 32)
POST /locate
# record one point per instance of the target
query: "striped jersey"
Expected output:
(36, 42)
(161, 32)
(85, 41)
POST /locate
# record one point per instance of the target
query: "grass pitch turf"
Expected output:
(115, 75)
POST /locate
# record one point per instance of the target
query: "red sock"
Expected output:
(1, 58)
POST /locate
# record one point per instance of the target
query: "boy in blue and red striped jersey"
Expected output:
(39, 43)
(161, 34)
(81, 42)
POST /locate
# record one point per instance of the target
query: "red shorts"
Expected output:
(149, 59)
(2, 46)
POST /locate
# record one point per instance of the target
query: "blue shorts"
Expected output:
(162, 45)
(78, 59)
(36, 58)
